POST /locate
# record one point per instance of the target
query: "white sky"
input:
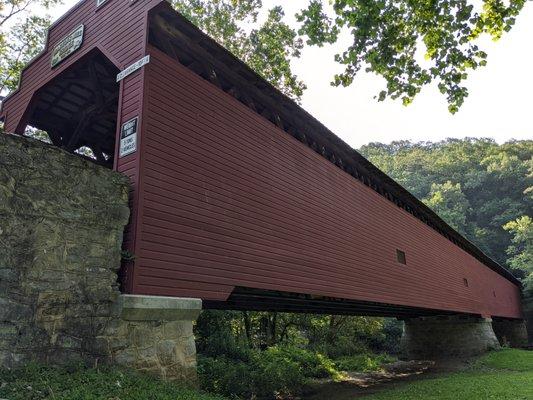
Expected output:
(499, 105)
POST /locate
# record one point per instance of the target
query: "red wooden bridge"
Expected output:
(239, 196)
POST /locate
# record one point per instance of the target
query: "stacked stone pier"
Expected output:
(440, 337)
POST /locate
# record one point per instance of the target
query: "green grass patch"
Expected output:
(510, 359)
(502, 375)
(79, 383)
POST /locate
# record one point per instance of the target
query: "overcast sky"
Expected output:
(499, 105)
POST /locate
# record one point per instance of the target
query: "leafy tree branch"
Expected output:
(267, 47)
(387, 37)
(22, 35)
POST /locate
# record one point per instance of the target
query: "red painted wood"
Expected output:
(231, 200)
(222, 198)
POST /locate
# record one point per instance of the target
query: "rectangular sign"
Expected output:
(133, 67)
(128, 137)
(67, 46)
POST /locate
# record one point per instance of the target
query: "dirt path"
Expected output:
(358, 385)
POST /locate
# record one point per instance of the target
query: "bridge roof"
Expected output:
(222, 68)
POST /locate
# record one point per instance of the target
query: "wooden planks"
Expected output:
(230, 200)
(223, 198)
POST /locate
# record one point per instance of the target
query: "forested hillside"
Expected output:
(481, 188)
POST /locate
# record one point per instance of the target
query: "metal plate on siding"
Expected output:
(128, 137)
(67, 46)
(133, 67)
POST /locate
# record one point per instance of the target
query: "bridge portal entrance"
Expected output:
(78, 108)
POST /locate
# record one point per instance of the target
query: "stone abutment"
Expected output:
(62, 220)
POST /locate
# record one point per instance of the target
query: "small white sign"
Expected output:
(133, 67)
(128, 137)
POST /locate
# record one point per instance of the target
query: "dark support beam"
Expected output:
(73, 143)
(264, 300)
(97, 86)
(85, 119)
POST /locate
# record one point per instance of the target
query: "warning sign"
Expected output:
(128, 137)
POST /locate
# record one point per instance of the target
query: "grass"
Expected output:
(502, 375)
(79, 383)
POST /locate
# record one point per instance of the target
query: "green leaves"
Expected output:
(21, 38)
(267, 48)
(520, 250)
(409, 43)
(317, 25)
(448, 200)
(389, 36)
(24, 41)
(272, 47)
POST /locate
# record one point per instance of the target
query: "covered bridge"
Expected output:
(239, 197)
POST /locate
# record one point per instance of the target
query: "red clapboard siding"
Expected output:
(231, 200)
(222, 198)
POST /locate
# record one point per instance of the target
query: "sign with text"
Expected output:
(128, 137)
(133, 67)
(67, 46)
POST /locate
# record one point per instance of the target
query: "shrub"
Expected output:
(363, 362)
(225, 376)
(277, 373)
(281, 370)
(215, 336)
(265, 376)
(313, 365)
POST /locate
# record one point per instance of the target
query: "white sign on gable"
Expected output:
(133, 67)
(67, 46)
(128, 137)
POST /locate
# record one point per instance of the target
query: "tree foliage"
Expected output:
(229, 332)
(22, 36)
(520, 250)
(448, 200)
(388, 37)
(266, 47)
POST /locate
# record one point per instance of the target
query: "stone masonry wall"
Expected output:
(510, 332)
(61, 224)
(154, 335)
(430, 338)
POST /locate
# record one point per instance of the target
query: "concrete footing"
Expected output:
(511, 333)
(155, 335)
(447, 337)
